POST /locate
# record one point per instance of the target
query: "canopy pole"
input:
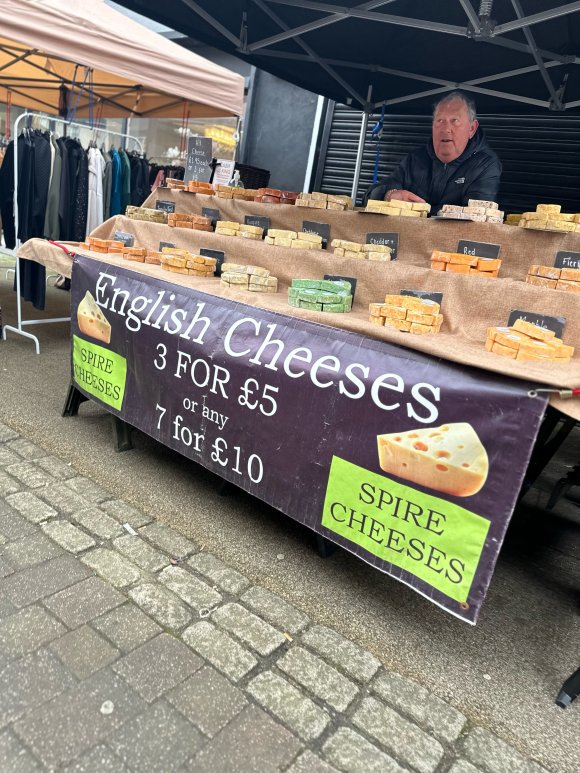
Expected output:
(361, 144)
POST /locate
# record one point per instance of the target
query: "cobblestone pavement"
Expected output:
(124, 647)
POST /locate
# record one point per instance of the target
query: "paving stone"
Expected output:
(124, 513)
(253, 740)
(159, 740)
(191, 589)
(404, 739)
(68, 536)
(62, 498)
(97, 522)
(286, 702)
(8, 485)
(30, 474)
(126, 626)
(83, 651)
(222, 575)
(42, 580)
(14, 758)
(141, 553)
(98, 760)
(88, 489)
(275, 610)
(7, 608)
(56, 467)
(30, 550)
(352, 753)
(221, 650)
(208, 700)
(308, 762)
(26, 449)
(492, 755)
(462, 766)
(356, 662)
(31, 507)
(79, 711)
(429, 711)
(30, 681)
(157, 666)
(323, 681)
(252, 630)
(112, 567)
(6, 433)
(13, 525)
(8, 457)
(6, 567)
(83, 601)
(162, 605)
(26, 630)
(169, 540)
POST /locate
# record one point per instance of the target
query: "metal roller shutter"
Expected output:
(540, 154)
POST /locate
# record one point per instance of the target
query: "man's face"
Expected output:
(452, 130)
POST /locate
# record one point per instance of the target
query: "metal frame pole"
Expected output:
(361, 145)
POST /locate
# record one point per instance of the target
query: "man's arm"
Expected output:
(486, 186)
(395, 185)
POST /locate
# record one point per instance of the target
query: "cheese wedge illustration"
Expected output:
(92, 321)
(450, 458)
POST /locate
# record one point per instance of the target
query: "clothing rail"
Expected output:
(22, 323)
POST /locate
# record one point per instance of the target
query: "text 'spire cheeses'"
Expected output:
(92, 321)
(450, 458)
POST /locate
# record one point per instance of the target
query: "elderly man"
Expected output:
(455, 166)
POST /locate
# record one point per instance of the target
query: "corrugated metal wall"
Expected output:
(540, 155)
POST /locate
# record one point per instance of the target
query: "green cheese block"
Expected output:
(308, 284)
(293, 292)
(293, 302)
(310, 305)
(335, 285)
(348, 303)
(322, 297)
(334, 307)
(308, 295)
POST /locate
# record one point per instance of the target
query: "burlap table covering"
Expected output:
(471, 304)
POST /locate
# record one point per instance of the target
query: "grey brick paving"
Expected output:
(354, 754)
(126, 627)
(26, 449)
(6, 433)
(14, 757)
(83, 651)
(30, 474)
(169, 540)
(356, 662)
(323, 681)
(191, 589)
(492, 755)
(43, 580)
(97, 522)
(124, 513)
(462, 766)
(31, 507)
(220, 649)
(275, 610)
(308, 762)
(14, 526)
(162, 605)
(221, 574)
(62, 498)
(99, 759)
(56, 467)
(8, 485)
(8, 457)
(112, 567)
(6, 567)
(69, 537)
(83, 601)
(252, 630)
(26, 630)
(88, 489)
(141, 553)
(30, 550)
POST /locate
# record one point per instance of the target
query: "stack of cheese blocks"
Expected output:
(567, 279)
(227, 192)
(397, 208)
(183, 262)
(407, 313)
(324, 201)
(512, 219)
(524, 341)
(476, 209)
(378, 252)
(194, 186)
(328, 295)
(549, 217)
(195, 222)
(172, 182)
(136, 254)
(253, 278)
(231, 228)
(458, 263)
(145, 213)
(275, 196)
(298, 240)
(102, 245)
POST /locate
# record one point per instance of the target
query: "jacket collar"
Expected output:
(473, 145)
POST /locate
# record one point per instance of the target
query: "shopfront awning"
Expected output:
(56, 54)
(513, 55)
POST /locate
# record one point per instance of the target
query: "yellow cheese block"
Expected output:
(534, 331)
(549, 208)
(450, 458)
(92, 321)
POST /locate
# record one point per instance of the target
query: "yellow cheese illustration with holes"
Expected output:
(450, 458)
(92, 321)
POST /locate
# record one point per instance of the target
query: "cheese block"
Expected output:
(534, 331)
(377, 248)
(549, 208)
(382, 257)
(92, 321)
(281, 233)
(450, 458)
(308, 237)
(280, 241)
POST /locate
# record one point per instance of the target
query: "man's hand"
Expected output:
(403, 195)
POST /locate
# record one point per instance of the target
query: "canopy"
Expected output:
(514, 55)
(46, 46)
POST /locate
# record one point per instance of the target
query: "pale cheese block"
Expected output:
(308, 237)
(92, 321)
(280, 233)
(377, 248)
(549, 208)
(280, 241)
(450, 458)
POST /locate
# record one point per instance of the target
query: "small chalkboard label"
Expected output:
(567, 260)
(389, 239)
(122, 236)
(350, 279)
(542, 320)
(218, 255)
(213, 214)
(198, 161)
(260, 222)
(166, 244)
(478, 249)
(166, 206)
(424, 295)
(322, 229)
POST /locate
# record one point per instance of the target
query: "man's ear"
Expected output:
(474, 127)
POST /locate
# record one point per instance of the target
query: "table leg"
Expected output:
(570, 690)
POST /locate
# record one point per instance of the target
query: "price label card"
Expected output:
(218, 255)
(198, 161)
(260, 222)
(424, 295)
(166, 206)
(213, 214)
(388, 239)
(350, 279)
(166, 244)
(478, 249)
(542, 320)
(224, 171)
(122, 236)
(567, 260)
(322, 229)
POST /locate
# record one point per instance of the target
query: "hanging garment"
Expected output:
(25, 195)
(95, 189)
(42, 159)
(115, 184)
(107, 184)
(139, 179)
(81, 200)
(7, 196)
(51, 220)
(125, 181)
(64, 200)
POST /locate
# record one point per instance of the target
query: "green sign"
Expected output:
(100, 372)
(429, 537)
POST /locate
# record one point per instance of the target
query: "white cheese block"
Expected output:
(450, 458)
(92, 321)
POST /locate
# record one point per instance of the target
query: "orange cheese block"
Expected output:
(571, 287)
(504, 351)
(570, 274)
(438, 265)
(488, 264)
(534, 331)
(458, 268)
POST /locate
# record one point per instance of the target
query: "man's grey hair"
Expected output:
(458, 95)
